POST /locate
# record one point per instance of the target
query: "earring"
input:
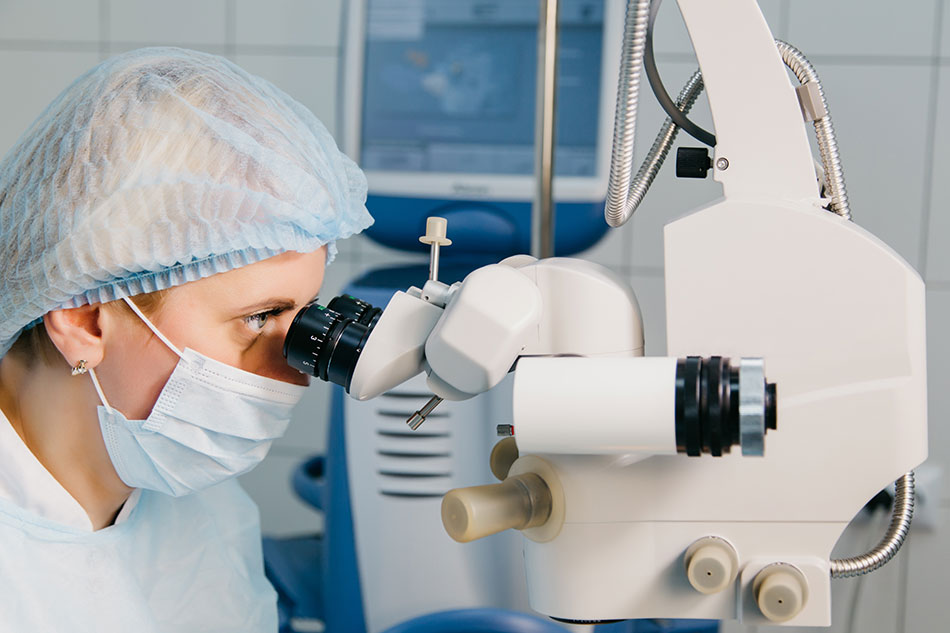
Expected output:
(80, 369)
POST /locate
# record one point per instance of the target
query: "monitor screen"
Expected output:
(449, 86)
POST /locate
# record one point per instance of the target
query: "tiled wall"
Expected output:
(885, 70)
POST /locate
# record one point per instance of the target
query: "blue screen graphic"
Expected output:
(450, 86)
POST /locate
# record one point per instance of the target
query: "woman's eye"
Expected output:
(256, 322)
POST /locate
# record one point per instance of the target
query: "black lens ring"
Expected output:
(691, 406)
(713, 424)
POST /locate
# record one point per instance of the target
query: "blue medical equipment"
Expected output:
(438, 106)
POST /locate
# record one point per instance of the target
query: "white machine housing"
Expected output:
(836, 314)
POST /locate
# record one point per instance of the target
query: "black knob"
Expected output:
(692, 162)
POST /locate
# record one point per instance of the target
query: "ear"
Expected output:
(77, 334)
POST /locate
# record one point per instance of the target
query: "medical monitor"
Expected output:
(438, 107)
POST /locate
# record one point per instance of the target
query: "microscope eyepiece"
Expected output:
(353, 308)
(326, 342)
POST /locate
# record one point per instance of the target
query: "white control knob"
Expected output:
(711, 564)
(435, 238)
(780, 591)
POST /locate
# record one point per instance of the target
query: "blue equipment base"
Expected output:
(493, 229)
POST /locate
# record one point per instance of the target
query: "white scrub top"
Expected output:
(168, 564)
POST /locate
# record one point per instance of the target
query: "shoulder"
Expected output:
(225, 508)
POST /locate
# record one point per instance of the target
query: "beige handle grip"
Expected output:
(520, 502)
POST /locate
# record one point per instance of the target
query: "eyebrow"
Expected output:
(275, 303)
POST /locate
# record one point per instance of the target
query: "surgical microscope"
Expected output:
(715, 481)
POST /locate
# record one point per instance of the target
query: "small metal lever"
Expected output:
(420, 416)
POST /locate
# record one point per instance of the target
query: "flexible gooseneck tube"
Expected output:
(625, 115)
(661, 146)
(624, 195)
(893, 539)
(824, 130)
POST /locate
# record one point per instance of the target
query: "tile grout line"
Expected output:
(904, 571)
(930, 146)
(105, 44)
(835, 59)
(784, 19)
(230, 29)
(105, 30)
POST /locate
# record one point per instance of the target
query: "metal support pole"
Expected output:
(542, 211)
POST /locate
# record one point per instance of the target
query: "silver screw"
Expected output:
(722, 164)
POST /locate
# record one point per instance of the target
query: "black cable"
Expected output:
(653, 75)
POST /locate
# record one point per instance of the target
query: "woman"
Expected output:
(160, 224)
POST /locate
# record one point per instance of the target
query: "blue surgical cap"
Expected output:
(159, 167)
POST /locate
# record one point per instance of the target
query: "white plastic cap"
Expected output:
(435, 232)
(711, 568)
(780, 591)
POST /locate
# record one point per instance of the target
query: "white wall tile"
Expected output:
(858, 27)
(289, 22)
(945, 35)
(282, 512)
(309, 80)
(670, 34)
(927, 608)
(882, 136)
(348, 249)
(938, 237)
(69, 20)
(117, 48)
(32, 80)
(339, 274)
(938, 378)
(611, 251)
(168, 22)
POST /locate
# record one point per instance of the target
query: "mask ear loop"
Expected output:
(162, 337)
(102, 396)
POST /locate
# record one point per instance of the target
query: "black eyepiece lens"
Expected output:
(326, 341)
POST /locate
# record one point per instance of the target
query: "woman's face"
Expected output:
(239, 317)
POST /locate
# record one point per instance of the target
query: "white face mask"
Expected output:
(211, 422)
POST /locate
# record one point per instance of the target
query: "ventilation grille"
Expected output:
(412, 464)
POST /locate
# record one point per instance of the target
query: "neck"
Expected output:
(55, 415)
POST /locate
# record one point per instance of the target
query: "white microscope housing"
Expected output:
(635, 526)
(631, 503)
